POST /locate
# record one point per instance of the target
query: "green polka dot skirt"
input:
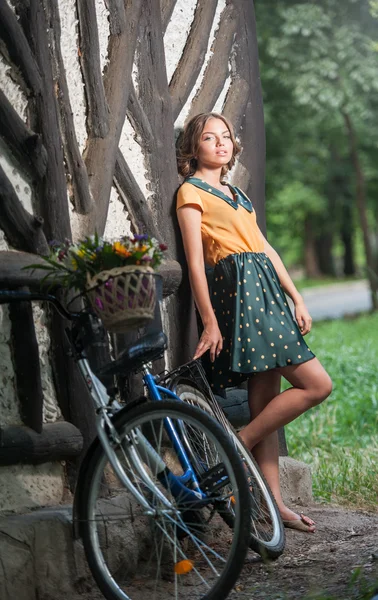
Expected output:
(258, 329)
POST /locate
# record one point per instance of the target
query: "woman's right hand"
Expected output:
(211, 339)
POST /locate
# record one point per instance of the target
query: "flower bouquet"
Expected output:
(117, 277)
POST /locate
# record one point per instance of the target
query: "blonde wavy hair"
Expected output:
(190, 140)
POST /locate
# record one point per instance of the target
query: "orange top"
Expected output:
(227, 227)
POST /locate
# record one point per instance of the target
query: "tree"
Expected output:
(323, 56)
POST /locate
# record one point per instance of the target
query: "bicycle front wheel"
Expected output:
(165, 546)
(267, 531)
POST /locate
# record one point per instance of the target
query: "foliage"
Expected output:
(299, 201)
(338, 438)
(70, 264)
(317, 62)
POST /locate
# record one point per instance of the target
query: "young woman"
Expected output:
(247, 325)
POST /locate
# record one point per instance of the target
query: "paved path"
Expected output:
(336, 300)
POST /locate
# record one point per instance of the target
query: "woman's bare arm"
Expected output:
(285, 279)
(301, 313)
(190, 224)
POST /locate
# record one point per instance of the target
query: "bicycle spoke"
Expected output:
(183, 550)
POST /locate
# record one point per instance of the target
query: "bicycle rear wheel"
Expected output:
(267, 531)
(169, 550)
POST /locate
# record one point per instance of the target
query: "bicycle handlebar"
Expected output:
(10, 296)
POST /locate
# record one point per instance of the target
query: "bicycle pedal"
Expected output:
(214, 479)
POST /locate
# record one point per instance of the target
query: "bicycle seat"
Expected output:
(147, 348)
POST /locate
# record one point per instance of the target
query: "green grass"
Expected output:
(339, 438)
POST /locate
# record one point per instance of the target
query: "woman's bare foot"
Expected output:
(299, 522)
(290, 519)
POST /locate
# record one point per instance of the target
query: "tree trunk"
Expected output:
(361, 206)
(346, 234)
(324, 256)
(310, 260)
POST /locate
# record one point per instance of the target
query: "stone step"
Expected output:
(41, 560)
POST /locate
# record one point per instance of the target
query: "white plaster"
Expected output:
(3, 242)
(51, 411)
(117, 223)
(218, 106)
(18, 100)
(70, 53)
(11, 89)
(185, 110)
(9, 406)
(165, 324)
(18, 181)
(77, 223)
(31, 486)
(177, 32)
(102, 14)
(134, 156)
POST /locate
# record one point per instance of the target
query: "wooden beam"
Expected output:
(13, 276)
(139, 121)
(252, 160)
(26, 364)
(167, 7)
(171, 273)
(78, 176)
(89, 53)
(155, 100)
(25, 145)
(52, 192)
(57, 441)
(133, 197)
(19, 51)
(117, 82)
(193, 55)
(217, 68)
(22, 230)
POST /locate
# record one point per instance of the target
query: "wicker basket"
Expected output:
(123, 298)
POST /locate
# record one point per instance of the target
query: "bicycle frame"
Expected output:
(110, 440)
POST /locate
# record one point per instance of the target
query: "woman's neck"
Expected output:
(211, 176)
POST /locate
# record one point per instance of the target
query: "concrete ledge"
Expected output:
(39, 559)
(296, 481)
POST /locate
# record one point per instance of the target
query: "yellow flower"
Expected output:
(120, 249)
(74, 264)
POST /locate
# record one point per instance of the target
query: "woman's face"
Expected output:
(215, 146)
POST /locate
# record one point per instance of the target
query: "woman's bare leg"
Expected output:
(311, 385)
(263, 388)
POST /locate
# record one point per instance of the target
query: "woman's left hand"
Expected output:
(302, 317)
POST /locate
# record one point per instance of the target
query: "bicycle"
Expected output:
(146, 504)
(189, 383)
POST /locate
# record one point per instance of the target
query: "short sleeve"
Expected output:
(188, 194)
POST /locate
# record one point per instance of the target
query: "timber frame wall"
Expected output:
(45, 149)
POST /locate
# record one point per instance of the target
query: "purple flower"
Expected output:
(140, 237)
(146, 258)
(99, 303)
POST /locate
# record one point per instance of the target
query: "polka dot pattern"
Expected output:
(261, 333)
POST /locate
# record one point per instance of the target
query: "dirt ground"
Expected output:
(319, 565)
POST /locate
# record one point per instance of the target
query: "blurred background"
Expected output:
(319, 72)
